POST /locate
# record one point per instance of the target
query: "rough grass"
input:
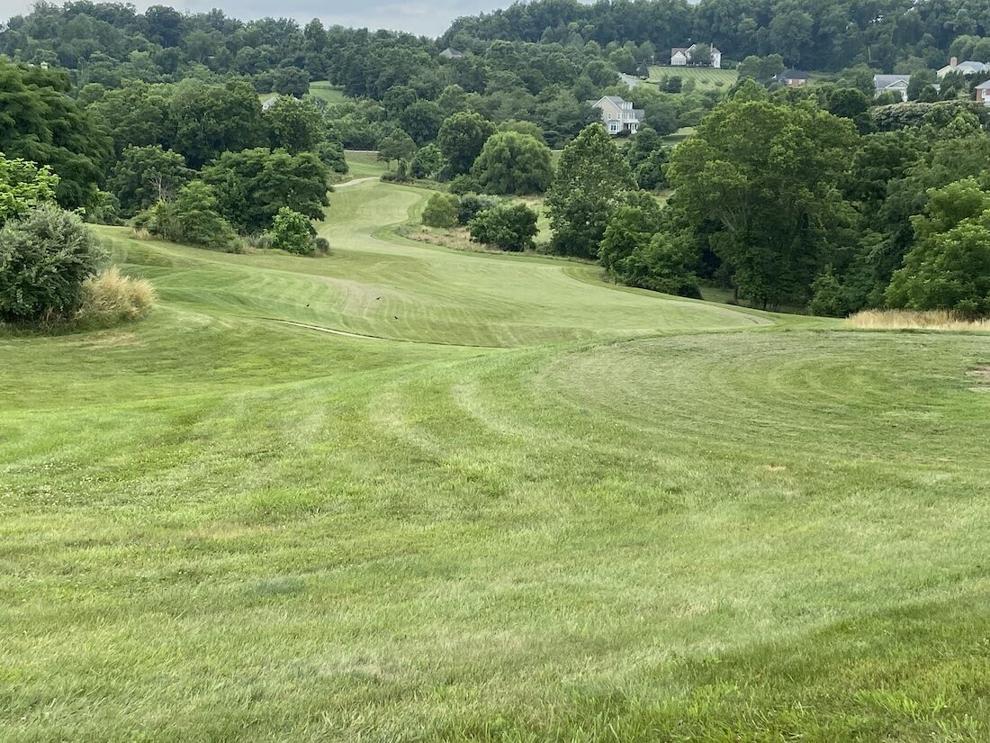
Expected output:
(544, 508)
(110, 298)
(910, 320)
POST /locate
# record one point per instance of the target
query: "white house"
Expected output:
(969, 67)
(451, 53)
(892, 84)
(619, 116)
(683, 56)
(983, 93)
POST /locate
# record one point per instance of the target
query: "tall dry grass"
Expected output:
(913, 320)
(110, 298)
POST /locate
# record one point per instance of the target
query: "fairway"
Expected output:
(407, 493)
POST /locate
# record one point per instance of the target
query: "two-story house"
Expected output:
(618, 115)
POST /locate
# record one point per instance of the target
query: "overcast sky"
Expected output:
(429, 17)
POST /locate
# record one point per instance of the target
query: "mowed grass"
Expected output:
(543, 508)
(704, 77)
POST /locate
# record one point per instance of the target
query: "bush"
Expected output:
(44, 258)
(292, 232)
(471, 205)
(464, 184)
(440, 211)
(110, 298)
(192, 218)
(321, 245)
(507, 226)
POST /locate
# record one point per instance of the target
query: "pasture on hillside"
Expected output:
(409, 493)
(704, 77)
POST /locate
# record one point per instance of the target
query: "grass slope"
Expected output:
(704, 77)
(546, 509)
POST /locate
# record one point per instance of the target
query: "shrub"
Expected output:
(471, 205)
(110, 297)
(192, 218)
(44, 258)
(464, 184)
(321, 246)
(292, 232)
(507, 226)
(440, 211)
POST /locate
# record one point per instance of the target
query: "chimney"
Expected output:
(953, 61)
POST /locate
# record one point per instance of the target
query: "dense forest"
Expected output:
(824, 197)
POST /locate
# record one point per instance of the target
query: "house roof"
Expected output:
(793, 75)
(985, 85)
(971, 66)
(886, 81)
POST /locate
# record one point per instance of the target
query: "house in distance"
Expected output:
(618, 115)
(692, 55)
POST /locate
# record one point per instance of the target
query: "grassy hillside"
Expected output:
(704, 77)
(405, 493)
(318, 89)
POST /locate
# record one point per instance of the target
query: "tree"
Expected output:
(630, 227)
(396, 146)
(213, 119)
(513, 163)
(45, 255)
(428, 162)
(767, 174)
(421, 121)
(252, 185)
(293, 125)
(440, 211)
(23, 186)
(290, 81)
(506, 226)
(292, 232)
(331, 154)
(591, 181)
(146, 175)
(40, 123)
(949, 265)
(461, 139)
(192, 218)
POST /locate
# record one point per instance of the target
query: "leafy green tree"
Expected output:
(146, 175)
(440, 211)
(252, 185)
(23, 186)
(591, 181)
(506, 226)
(421, 121)
(40, 123)
(292, 232)
(949, 265)
(136, 115)
(630, 227)
(290, 81)
(45, 255)
(396, 146)
(428, 162)
(213, 119)
(664, 265)
(767, 175)
(512, 163)
(461, 139)
(471, 204)
(193, 218)
(331, 154)
(293, 125)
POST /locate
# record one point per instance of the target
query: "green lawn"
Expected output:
(318, 89)
(704, 77)
(403, 493)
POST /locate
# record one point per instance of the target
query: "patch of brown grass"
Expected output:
(912, 320)
(110, 298)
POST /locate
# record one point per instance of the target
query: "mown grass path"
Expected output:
(498, 500)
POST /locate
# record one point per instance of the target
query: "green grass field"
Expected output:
(404, 493)
(704, 77)
(318, 89)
